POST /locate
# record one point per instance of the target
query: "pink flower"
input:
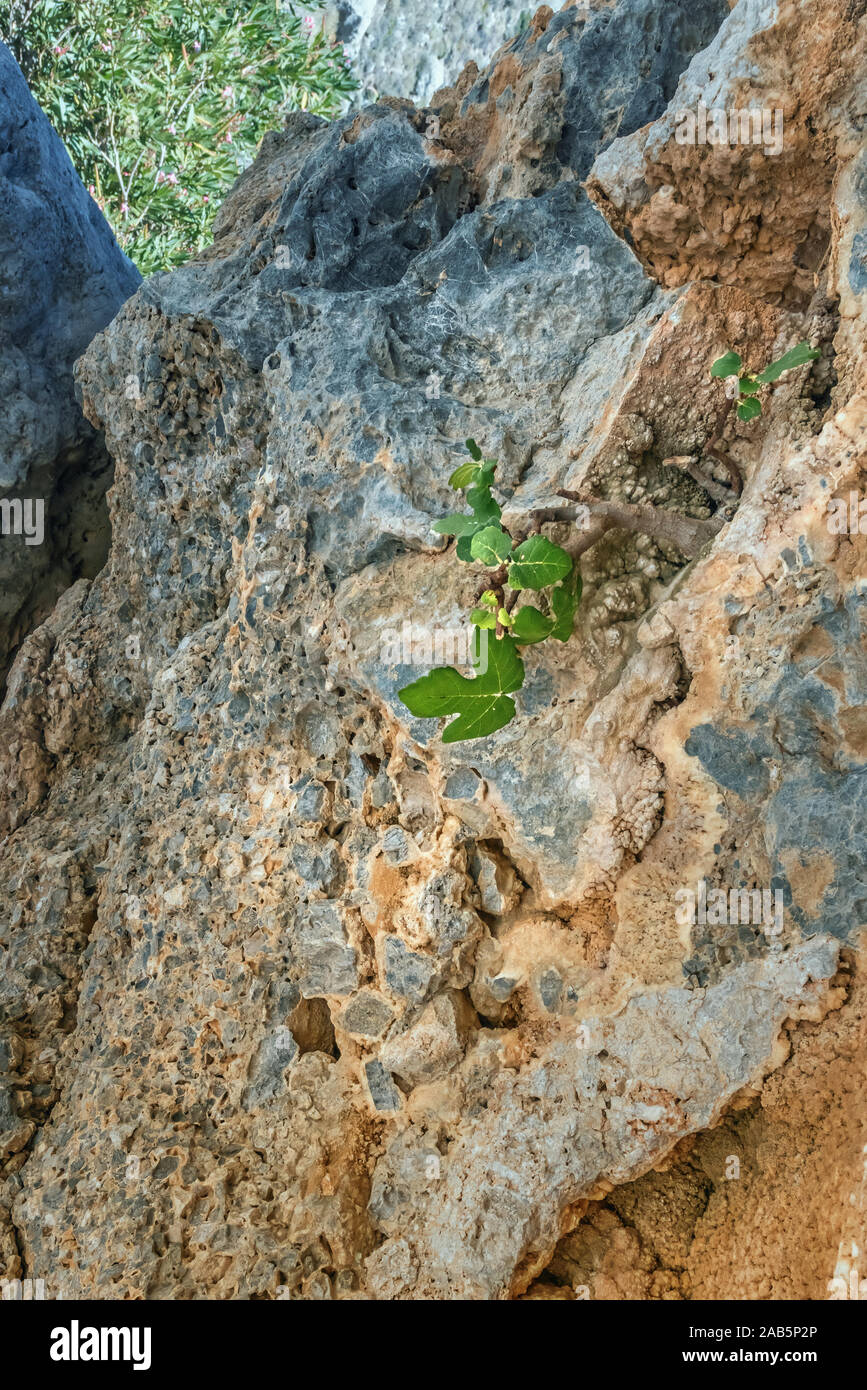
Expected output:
(228, 139)
(197, 45)
(308, 22)
(172, 129)
(124, 207)
(171, 178)
(227, 93)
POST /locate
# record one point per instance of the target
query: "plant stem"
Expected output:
(715, 450)
(688, 533)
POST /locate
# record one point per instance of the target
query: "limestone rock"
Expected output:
(64, 279)
(433, 1045)
(404, 48)
(294, 995)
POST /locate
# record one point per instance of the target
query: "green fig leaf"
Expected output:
(485, 509)
(537, 563)
(749, 408)
(727, 365)
(456, 524)
(798, 356)
(531, 625)
(564, 603)
(491, 546)
(463, 475)
(473, 449)
(483, 617)
(482, 704)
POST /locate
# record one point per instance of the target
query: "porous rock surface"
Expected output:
(298, 1001)
(63, 278)
(409, 48)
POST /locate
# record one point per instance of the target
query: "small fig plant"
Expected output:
(530, 563)
(748, 388)
(483, 703)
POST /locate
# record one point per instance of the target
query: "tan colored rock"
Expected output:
(251, 904)
(432, 1045)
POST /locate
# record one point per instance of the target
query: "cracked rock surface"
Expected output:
(297, 1000)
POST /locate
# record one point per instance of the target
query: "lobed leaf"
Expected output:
(463, 475)
(456, 524)
(483, 617)
(749, 408)
(482, 704)
(564, 603)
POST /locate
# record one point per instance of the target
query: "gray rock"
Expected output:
(276, 1054)
(64, 278)
(318, 865)
(324, 953)
(551, 989)
(272, 517)
(409, 49)
(431, 1046)
(575, 1115)
(368, 1015)
(497, 882)
(463, 785)
(446, 922)
(408, 974)
(397, 846)
(312, 799)
(384, 1094)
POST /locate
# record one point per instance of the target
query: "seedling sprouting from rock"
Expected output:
(526, 562)
(746, 389)
(531, 563)
(534, 565)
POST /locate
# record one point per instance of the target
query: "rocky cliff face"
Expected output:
(297, 1000)
(410, 49)
(63, 277)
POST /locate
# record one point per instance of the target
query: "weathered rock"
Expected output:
(368, 1015)
(433, 1045)
(743, 194)
(496, 880)
(243, 822)
(326, 958)
(64, 278)
(586, 1115)
(406, 48)
(384, 1095)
